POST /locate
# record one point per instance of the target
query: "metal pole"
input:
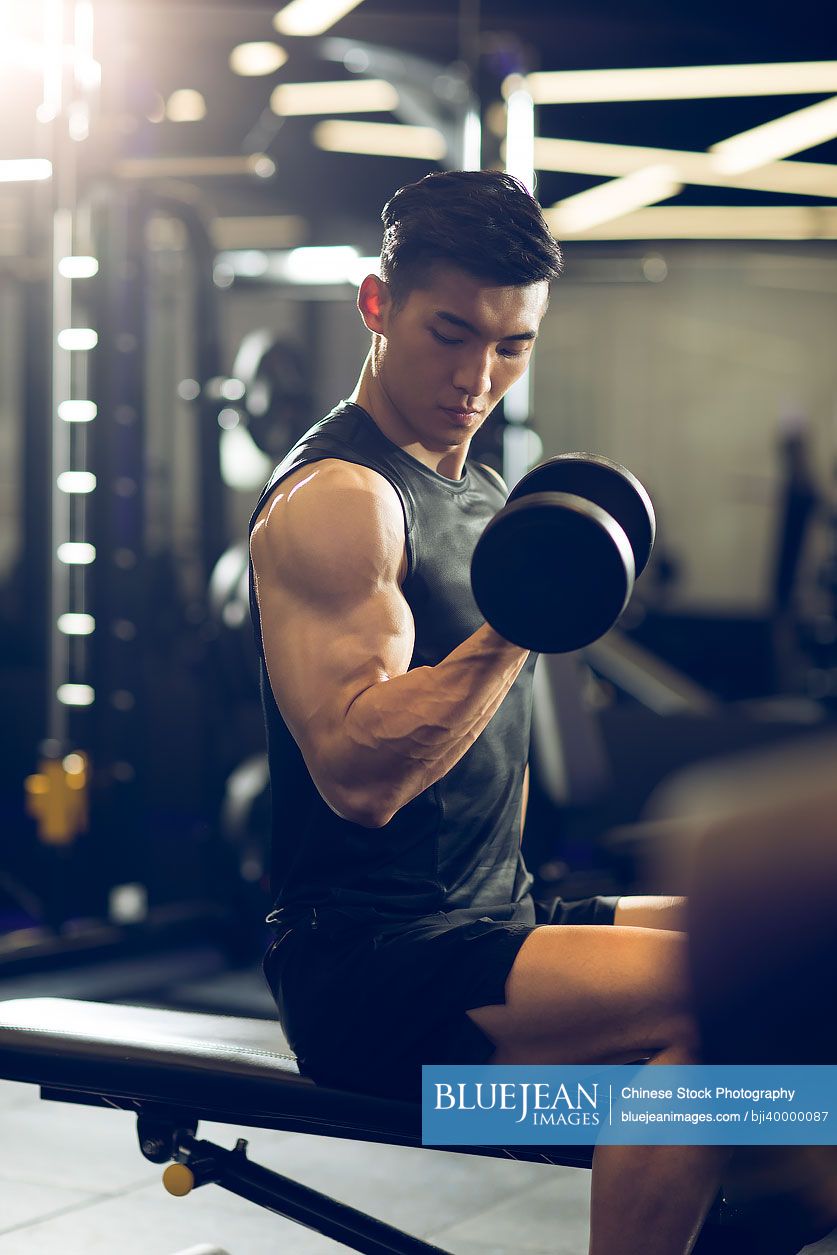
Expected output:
(521, 445)
(469, 56)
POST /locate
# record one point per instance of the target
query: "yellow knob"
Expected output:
(178, 1179)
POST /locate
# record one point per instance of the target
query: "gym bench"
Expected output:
(175, 1068)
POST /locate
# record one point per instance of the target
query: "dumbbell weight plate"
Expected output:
(552, 572)
(607, 484)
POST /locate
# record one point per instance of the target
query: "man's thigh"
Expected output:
(591, 994)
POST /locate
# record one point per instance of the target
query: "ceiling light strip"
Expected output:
(520, 136)
(689, 82)
(614, 198)
(793, 133)
(25, 170)
(364, 95)
(311, 17)
(256, 59)
(380, 139)
(800, 178)
(189, 167)
(713, 222)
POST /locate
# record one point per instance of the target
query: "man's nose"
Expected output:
(473, 373)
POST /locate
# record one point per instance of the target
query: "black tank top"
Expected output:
(454, 847)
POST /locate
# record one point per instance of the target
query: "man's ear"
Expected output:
(374, 302)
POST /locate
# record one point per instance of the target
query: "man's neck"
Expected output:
(372, 397)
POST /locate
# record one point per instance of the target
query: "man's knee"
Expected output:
(592, 994)
(645, 911)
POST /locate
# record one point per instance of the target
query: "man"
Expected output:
(398, 727)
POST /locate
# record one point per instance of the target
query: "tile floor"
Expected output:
(73, 1182)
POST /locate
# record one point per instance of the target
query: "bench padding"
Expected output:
(212, 1067)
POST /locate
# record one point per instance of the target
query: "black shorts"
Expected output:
(364, 1010)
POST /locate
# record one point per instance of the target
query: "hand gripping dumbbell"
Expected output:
(555, 568)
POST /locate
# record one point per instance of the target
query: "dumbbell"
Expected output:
(555, 568)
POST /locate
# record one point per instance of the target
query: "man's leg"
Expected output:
(592, 994)
(651, 912)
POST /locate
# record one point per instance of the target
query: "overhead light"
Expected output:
(232, 389)
(472, 140)
(26, 170)
(77, 339)
(320, 265)
(78, 267)
(76, 624)
(76, 553)
(303, 266)
(517, 402)
(77, 411)
(716, 222)
(520, 135)
(311, 17)
(792, 133)
(86, 70)
(252, 263)
(802, 178)
(223, 275)
(185, 105)
(243, 464)
(357, 270)
(380, 139)
(252, 60)
(228, 418)
(76, 481)
(358, 95)
(89, 74)
(195, 167)
(687, 82)
(614, 198)
(54, 42)
(78, 121)
(75, 695)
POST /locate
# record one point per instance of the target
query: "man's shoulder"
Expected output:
(326, 497)
(333, 474)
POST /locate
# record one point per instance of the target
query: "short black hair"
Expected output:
(483, 221)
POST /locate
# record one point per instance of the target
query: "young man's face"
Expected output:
(453, 349)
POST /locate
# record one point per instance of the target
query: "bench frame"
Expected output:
(168, 1135)
(173, 1069)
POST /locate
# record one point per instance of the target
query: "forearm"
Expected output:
(402, 735)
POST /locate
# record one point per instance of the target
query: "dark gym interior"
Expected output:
(183, 229)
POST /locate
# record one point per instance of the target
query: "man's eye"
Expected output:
(443, 339)
(512, 352)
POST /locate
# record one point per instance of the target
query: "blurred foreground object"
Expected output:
(757, 841)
